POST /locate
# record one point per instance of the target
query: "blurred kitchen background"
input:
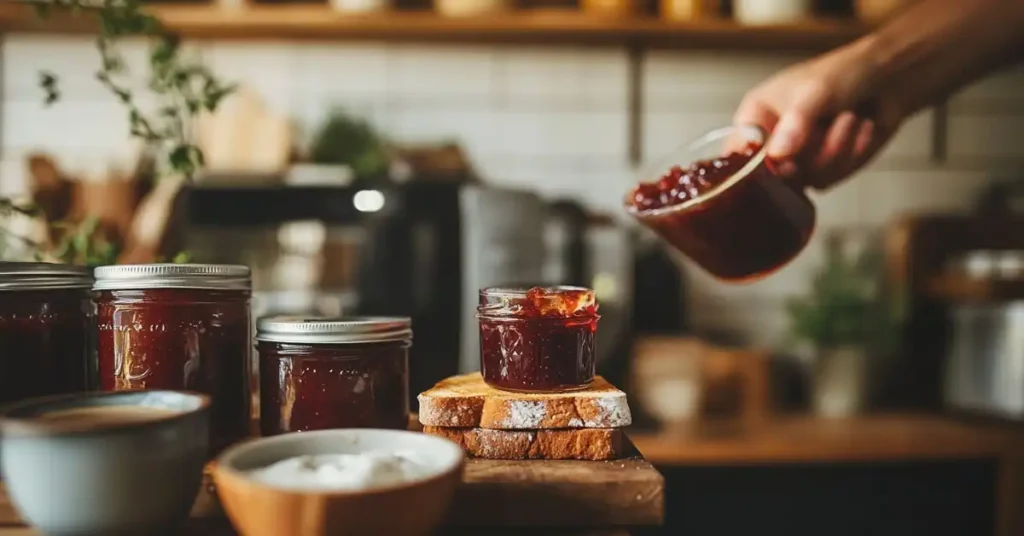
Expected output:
(395, 161)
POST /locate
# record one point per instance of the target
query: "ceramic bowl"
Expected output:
(413, 508)
(126, 477)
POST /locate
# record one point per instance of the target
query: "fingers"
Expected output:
(832, 156)
(807, 105)
(851, 142)
(866, 139)
(789, 136)
(838, 141)
(751, 112)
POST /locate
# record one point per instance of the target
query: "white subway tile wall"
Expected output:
(551, 119)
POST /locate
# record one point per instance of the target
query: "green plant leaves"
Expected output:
(349, 141)
(183, 90)
(848, 304)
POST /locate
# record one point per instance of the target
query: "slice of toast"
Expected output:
(467, 402)
(573, 444)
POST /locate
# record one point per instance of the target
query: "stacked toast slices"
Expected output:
(501, 425)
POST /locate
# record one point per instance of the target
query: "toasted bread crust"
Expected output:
(579, 444)
(467, 402)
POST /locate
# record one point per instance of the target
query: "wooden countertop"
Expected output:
(223, 530)
(870, 438)
(513, 495)
(811, 439)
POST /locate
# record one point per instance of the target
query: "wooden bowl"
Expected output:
(413, 508)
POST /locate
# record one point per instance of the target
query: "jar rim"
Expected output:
(167, 275)
(43, 276)
(708, 137)
(333, 330)
(515, 301)
(520, 291)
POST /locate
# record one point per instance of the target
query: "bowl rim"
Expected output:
(223, 468)
(738, 176)
(31, 426)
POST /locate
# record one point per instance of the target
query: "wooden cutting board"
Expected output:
(530, 493)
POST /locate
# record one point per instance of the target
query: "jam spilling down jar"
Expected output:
(179, 327)
(47, 330)
(537, 340)
(728, 210)
(321, 373)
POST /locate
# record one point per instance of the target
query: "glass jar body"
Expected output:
(181, 339)
(49, 343)
(322, 386)
(537, 340)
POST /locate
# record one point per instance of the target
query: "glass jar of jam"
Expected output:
(179, 327)
(320, 373)
(537, 340)
(728, 211)
(47, 330)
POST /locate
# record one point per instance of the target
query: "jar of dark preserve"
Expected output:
(538, 340)
(727, 209)
(179, 327)
(47, 330)
(321, 373)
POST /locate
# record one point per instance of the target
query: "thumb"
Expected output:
(795, 127)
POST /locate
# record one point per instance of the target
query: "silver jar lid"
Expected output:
(324, 330)
(153, 276)
(42, 276)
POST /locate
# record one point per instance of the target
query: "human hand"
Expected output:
(826, 117)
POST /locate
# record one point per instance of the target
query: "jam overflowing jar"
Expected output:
(179, 327)
(727, 210)
(537, 340)
(321, 373)
(47, 330)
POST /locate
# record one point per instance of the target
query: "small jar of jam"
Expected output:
(47, 330)
(179, 327)
(321, 373)
(728, 210)
(537, 340)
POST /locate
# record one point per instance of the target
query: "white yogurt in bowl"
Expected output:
(342, 472)
(340, 461)
(355, 481)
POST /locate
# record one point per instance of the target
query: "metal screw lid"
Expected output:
(153, 276)
(42, 276)
(326, 330)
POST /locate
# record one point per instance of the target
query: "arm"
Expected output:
(830, 115)
(940, 46)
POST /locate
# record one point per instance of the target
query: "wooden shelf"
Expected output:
(813, 440)
(526, 27)
(959, 289)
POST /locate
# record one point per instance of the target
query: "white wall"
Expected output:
(552, 119)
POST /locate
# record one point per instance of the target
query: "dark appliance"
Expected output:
(420, 249)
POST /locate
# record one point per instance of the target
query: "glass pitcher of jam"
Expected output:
(720, 201)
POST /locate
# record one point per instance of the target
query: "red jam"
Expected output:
(157, 333)
(318, 374)
(737, 228)
(47, 331)
(537, 339)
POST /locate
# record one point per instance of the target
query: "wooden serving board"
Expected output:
(222, 529)
(498, 493)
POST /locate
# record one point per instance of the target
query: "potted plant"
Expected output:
(850, 319)
(344, 149)
(181, 87)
